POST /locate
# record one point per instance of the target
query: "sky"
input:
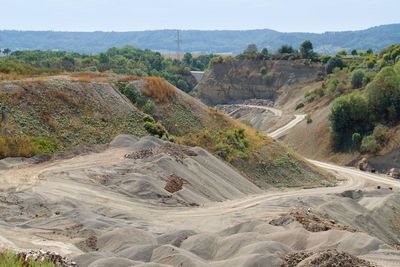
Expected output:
(132, 15)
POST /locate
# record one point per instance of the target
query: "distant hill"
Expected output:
(200, 41)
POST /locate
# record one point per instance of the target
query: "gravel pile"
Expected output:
(327, 258)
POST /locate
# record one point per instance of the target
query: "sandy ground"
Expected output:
(112, 208)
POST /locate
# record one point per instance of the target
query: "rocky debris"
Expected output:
(41, 255)
(284, 220)
(363, 165)
(327, 258)
(394, 172)
(259, 102)
(314, 222)
(176, 151)
(174, 183)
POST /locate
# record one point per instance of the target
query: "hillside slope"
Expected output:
(61, 112)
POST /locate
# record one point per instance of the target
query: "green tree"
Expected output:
(6, 51)
(357, 79)
(187, 58)
(383, 95)
(334, 62)
(354, 52)
(251, 49)
(342, 53)
(306, 49)
(264, 51)
(348, 114)
(286, 49)
(369, 51)
(104, 58)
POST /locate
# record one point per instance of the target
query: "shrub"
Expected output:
(334, 62)
(299, 105)
(383, 95)
(369, 144)
(368, 77)
(263, 70)
(155, 129)
(45, 146)
(381, 133)
(356, 139)
(268, 78)
(319, 91)
(308, 118)
(357, 79)
(148, 118)
(332, 85)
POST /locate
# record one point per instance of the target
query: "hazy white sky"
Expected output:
(131, 15)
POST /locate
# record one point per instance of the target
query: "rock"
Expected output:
(395, 173)
(284, 220)
(363, 165)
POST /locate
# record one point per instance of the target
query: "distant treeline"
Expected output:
(204, 42)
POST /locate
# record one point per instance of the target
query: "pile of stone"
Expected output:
(395, 173)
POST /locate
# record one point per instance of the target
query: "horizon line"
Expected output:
(214, 30)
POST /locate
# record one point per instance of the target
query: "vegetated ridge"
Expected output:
(200, 41)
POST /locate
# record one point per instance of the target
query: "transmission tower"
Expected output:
(178, 45)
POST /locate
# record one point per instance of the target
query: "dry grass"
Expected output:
(17, 147)
(129, 78)
(60, 94)
(158, 89)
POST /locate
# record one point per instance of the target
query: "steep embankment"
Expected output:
(65, 113)
(237, 80)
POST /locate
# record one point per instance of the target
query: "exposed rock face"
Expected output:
(237, 80)
(395, 173)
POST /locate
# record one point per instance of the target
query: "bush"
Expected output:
(357, 79)
(381, 133)
(268, 78)
(332, 85)
(299, 105)
(263, 70)
(148, 118)
(155, 129)
(356, 139)
(319, 91)
(334, 62)
(383, 95)
(308, 118)
(368, 77)
(369, 144)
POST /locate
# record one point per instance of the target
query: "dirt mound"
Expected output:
(327, 258)
(176, 151)
(315, 222)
